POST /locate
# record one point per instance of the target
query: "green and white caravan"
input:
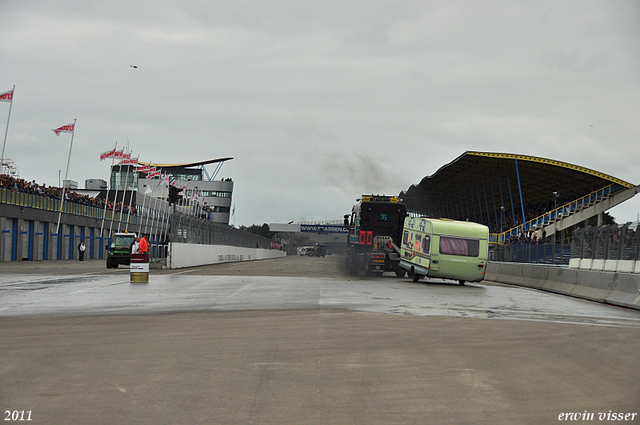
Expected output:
(445, 249)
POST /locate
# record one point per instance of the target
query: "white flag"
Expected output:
(6, 96)
(64, 129)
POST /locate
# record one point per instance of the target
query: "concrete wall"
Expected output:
(183, 255)
(607, 287)
(620, 266)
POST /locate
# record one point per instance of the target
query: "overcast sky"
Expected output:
(319, 102)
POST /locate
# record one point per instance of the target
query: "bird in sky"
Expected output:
(133, 66)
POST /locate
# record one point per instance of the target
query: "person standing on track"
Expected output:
(144, 245)
(81, 249)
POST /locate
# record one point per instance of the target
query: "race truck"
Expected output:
(375, 227)
(119, 252)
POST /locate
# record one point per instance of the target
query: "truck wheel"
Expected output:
(353, 268)
(400, 273)
(114, 264)
(461, 282)
(109, 263)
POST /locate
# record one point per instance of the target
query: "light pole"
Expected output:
(502, 221)
(555, 211)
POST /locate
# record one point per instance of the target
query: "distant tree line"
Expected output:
(258, 230)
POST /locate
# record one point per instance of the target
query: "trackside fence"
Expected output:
(614, 248)
(609, 248)
(551, 254)
(188, 229)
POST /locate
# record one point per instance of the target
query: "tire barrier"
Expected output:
(622, 289)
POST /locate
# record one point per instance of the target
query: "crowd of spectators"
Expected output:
(531, 211)
(531, 236)
(20, 185)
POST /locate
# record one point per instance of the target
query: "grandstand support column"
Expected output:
(600, 219)
(486, 202)
(19, 240)
(493, 196)
(3, 236)
(524, 217)
(513, 210)
(473, 204)
(467, 199)
(479, 201)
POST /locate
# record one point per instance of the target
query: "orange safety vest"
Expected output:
(144, 245)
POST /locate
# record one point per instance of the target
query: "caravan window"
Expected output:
(426, 244)
(459, 246)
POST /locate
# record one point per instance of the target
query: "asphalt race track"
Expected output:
(299, 341)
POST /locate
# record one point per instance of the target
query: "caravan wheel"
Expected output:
(415, 276)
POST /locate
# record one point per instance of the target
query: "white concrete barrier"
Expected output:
(183, 255)
(625, 291)
(608, 287)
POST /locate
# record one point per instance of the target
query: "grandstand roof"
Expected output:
(487, 180)
(187, 164)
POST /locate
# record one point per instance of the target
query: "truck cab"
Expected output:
(374, 228)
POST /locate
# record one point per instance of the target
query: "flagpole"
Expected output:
(124, 195)
(115, 196)
(113, 209)
(73, 133)
(164, 230)
(146, 222)
(7, 129)
(151, 211)
(106, 198)
(131, 196)
(142, 211)
(160, 220)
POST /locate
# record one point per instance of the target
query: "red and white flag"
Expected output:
(6, 96)
(64, 129)
(129, 161)
(143, 169)
(108, 154)
(154, 173)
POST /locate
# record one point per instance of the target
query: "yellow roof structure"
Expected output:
(486, 181)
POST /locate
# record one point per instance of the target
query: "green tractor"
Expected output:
(120, 250)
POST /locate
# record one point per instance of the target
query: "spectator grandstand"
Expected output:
(518, 197)
(51, 192)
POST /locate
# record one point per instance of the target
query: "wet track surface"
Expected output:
(299, 340)
(101, 292)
